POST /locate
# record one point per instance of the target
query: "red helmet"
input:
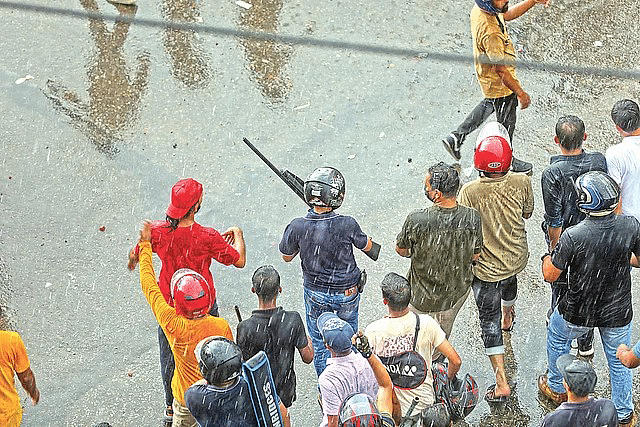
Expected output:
(493, 149)
(192, 295)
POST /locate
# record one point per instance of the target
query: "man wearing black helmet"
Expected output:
(325, 241)
(597, 252)
(494, 54)
(222, 397)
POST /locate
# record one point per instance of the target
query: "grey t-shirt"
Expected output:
(442, 243)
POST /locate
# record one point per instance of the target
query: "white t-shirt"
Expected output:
(391, 336)
(343, 377)
(623, 163)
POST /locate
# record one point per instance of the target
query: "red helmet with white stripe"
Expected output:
(192, 295)
(493, 149)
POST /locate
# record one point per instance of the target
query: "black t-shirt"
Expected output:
(558, 189)
(592, 413)
(595, 253)
(221, 407)
(278, 333)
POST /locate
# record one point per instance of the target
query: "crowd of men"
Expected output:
(403, 370)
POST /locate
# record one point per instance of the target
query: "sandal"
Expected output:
(512, 312)
(495, 403)
(168, 415)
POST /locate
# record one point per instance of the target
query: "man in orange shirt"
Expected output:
(13, 359)
(185, 324)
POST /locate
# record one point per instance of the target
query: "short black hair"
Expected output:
(266, 282)
(570, 132)
(396, 290)
(626, 115)
(445, 178)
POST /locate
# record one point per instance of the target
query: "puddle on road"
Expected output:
(267, 59)
(189, 63)
(114, 90)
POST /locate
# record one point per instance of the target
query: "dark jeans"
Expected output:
(505, 109)
(167, 363)
(490, 297)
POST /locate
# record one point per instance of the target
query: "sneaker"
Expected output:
(544, 388)
(452, 144)
(630, 421)
(521, 166)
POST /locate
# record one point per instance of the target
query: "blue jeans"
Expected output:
(316, 303)
(559, 336)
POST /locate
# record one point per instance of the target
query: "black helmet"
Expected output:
(598, 193)
(359, 410)
(220, 359)
(324, 187)
(460, 397)
(436, 415)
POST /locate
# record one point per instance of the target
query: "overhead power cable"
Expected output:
(322, 43)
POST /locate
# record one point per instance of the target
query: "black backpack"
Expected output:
(407, 370)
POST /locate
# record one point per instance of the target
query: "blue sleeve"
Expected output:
(551, 197)
(358, 238)
(289, 245)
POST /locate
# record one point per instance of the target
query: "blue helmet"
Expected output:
(487, 6)
(598, 193)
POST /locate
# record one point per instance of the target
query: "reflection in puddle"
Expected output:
(267, 59)
(114, 97)
(188, 61)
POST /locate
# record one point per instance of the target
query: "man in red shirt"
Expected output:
(180, 242)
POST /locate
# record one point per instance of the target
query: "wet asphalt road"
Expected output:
(116, 113)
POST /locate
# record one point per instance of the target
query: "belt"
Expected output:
(351, 291)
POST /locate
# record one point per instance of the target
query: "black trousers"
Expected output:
(505, 109)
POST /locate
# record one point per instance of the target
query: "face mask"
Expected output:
(426, 193)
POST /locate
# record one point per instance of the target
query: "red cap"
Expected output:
(184, 194)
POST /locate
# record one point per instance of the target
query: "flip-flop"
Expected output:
(513, 320)
(495, 403)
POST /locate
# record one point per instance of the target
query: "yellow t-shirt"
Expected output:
(491, 43)
(501, 203)
(13, 359)
(183, 334)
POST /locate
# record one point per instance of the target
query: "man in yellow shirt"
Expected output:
(14, 360)
(494, 54)
(185, 325)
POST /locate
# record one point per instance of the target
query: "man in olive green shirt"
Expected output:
(442, 241)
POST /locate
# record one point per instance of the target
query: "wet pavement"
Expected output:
(116, 113)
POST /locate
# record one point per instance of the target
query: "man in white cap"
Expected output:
(347, 372)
